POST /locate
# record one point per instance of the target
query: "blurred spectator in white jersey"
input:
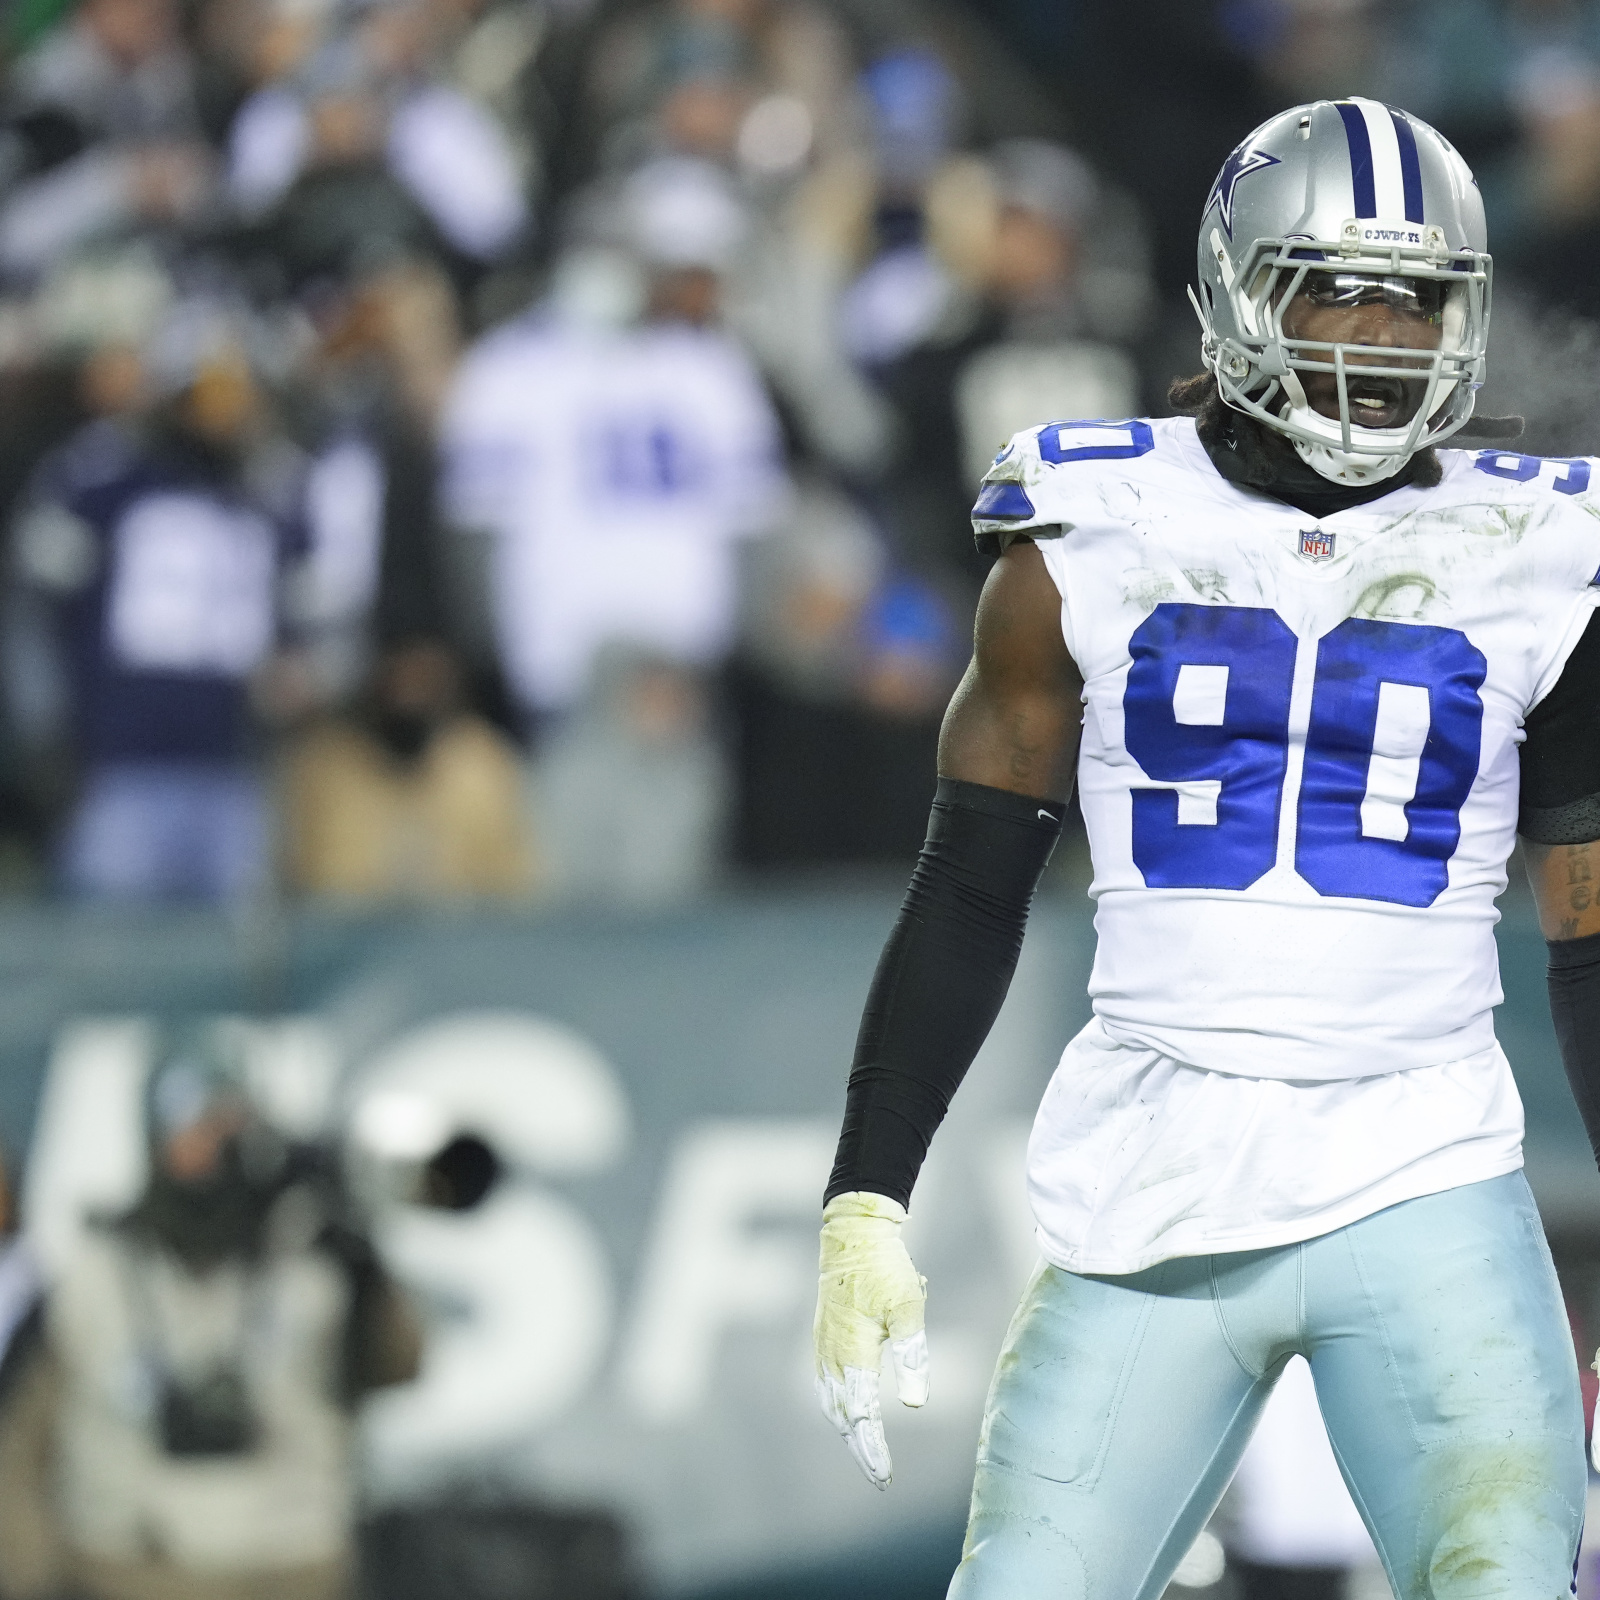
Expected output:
(766, 88)
(102, 134)
(615, 468)
(149, 558)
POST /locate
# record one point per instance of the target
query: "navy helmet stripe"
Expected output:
(1410, 166)
(1364, 192)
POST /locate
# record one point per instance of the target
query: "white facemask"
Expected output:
(1328, 456)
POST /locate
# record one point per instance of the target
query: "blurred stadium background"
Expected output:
(483, 555)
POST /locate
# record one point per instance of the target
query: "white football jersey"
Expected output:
(617, 472)
(1299, 761)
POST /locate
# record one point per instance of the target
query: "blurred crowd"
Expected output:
(523, 448)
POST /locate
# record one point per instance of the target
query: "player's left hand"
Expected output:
(868, 1295)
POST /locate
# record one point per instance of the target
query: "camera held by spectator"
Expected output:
(185, 1426)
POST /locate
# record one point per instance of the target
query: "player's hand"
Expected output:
(868, 1295)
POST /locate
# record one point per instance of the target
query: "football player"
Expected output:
(1312, 674)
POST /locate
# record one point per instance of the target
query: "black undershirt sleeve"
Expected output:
(1561, 806)
(1561, 753)
(1574, 982)
(941, 980)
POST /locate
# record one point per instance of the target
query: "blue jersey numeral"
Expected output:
(639, 457)
(1391, 751)
(1239, 664)
(1570, 473)
(1095, 440)
(1354, 838)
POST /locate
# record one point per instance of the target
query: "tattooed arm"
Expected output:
(1559, 822)
(1566, 888)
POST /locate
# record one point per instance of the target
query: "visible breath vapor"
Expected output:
(1544, 365)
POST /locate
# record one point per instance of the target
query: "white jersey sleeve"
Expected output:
(1562, 506)
(1022, 492)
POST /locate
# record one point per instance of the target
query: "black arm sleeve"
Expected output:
(941, 980)
(1561, 754)
(1574, 980)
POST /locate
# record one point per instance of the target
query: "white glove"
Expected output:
(868, 1294)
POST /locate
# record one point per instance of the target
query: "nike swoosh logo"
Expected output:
(1048, 818)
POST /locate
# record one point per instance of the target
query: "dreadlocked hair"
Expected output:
(1258, 449)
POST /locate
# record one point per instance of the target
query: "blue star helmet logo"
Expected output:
(1237, 166)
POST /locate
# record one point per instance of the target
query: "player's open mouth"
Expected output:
(1379, 402)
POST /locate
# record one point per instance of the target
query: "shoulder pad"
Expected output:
(1026, 492)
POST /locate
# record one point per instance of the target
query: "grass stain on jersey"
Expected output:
(1209, 585)
(1507, 522)
(1148, 588)
(1400, 597)
(1486, 520)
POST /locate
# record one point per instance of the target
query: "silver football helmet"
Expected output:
(1340, 203)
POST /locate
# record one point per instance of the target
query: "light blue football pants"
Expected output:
(1444, 1369)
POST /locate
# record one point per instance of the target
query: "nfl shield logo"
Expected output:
(1315, 545)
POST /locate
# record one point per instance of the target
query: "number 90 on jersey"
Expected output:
(1391, 751)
